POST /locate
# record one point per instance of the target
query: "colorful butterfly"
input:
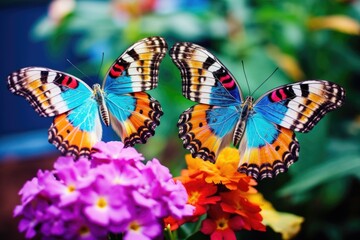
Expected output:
(76, 127)
(263, 129)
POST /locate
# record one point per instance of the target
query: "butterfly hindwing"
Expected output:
(206, 129)
(137, 68)
(134, 116)
(204, 78)
(300, 106)
(49, 92)
(266, 149)
(74, 133)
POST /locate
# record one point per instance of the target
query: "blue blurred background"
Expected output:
(306, 39)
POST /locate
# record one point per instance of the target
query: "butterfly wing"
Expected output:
(206, 129)
(134, 115)
(137, 68)
(300, 106)
(269, 145)
(76, 126)
(204, 78)
(48, 91)
(266, 149)
(75, 132)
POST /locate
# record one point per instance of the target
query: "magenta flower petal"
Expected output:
(107, 152)
(97, 215)
(115, 192)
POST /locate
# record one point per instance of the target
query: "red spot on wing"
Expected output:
(275, 95)
(116, 70)
(70, 82)
(223, 80)
(283, 94)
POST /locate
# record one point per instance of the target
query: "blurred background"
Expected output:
(306, 39)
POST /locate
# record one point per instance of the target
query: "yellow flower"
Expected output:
(339, 23)
(287, 224)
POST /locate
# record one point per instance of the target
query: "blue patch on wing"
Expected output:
(235, 93)
(121, 106)
(120, 85)
(220, 96)
(260, 131)
(76, 97)
(272, 111)
(84, 116)
(222, 120)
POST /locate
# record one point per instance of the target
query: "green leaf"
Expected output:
(328, 171)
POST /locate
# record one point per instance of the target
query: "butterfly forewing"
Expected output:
(137, 68)
(49, 92)
(204, 78)
(300, 106)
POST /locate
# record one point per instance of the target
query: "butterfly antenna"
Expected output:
(102, 61)
(247, 82)
(78, 69)
(264, 81)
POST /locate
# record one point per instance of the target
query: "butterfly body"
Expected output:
(246, 109)
(263, 129)
(120, 101)
(100, 100)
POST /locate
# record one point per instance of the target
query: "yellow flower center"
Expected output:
(194, 197)
(135, 226)
(71, 188)
(222, 223)
(101, 202)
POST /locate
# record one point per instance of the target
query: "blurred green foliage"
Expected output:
(306, 39)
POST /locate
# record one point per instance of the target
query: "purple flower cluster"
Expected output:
(114, 193)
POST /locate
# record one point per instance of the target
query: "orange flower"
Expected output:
(223, 171)
(228, 198)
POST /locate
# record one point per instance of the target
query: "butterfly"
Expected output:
(121, 100)
(263, 129)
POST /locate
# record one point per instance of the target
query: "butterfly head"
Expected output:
(247, 107)
(248, 103)
(98, 93)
